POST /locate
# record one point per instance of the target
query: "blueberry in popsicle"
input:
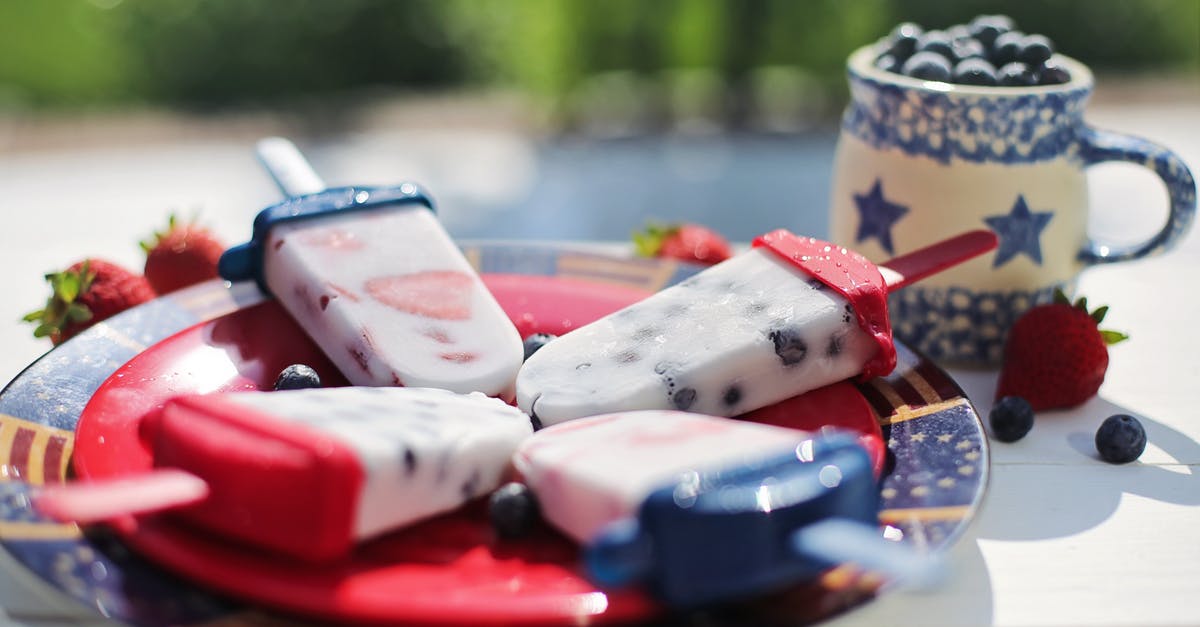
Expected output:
(790, 315)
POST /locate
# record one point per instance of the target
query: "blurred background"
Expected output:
(534, 119)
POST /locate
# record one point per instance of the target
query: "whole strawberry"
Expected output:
(183, 255)
(686, 242)
(86, 293)
(1056, 354)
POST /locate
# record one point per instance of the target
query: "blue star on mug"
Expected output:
(1019, 232)
(877, 216)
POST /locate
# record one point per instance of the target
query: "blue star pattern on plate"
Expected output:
(1019, 232)
(877, 216)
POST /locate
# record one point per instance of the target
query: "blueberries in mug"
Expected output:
(1015, 74)
(929, 66)
(1007, 47)
(903, 40)
(1035, 50)
(989, 41)
(936, 41)
(1053, 72)
(974, 71)
(967, 48)
(887, 63)
(986, 28)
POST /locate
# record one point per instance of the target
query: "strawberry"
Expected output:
(686, 242)
(183, 255)
(437, 294)
(1056, 354)
(88, 292)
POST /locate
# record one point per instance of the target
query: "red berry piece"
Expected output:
(438, 294)
(687, 242)
(1056, 355)
(182, 255)
(84, 294)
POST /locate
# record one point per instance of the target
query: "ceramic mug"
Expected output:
(918, 161)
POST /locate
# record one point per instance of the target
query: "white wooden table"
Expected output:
(1063, 538)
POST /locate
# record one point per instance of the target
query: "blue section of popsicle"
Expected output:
(729, 534)
(245, 260)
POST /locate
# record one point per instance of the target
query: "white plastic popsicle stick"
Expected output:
(912, 267)
(841, 541)
(96, 501)
(287, 165)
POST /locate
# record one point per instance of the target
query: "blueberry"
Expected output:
(974, 71)
(535, 341)
(887, 63)
(967, 48)
(513, 510)
(958, 31)
(1015, 74)
(297, 377)
(789, 346)
(1120, 439)
(928, 66)
(1053, 72)
(1006, 48)
(902, 41)
(986, 28)
(1035, 49)
(1011, 419)
(936, 41)
(1003, 22)
(910, 30)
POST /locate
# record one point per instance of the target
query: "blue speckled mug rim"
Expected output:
(860, 67)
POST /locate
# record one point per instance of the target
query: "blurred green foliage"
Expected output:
(728, 57)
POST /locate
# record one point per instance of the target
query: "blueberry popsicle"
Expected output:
(705, 509)
(790, 315)
(379, 286)
(311, 472)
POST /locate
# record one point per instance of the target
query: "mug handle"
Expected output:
(1098, 145)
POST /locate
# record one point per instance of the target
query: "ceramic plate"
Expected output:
(447, 571)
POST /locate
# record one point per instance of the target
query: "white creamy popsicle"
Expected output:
(743, 334)
(702, 509)
(311, 472)
(597, 470)
(377, 283)
(422, 451)
(391, 300)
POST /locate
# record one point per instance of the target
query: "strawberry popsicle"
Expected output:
(701, 508)
(790, 315)
(380, 287)
(311, 472)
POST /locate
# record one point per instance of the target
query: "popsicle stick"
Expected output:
(840, 541)
(907, 269)
(287, 165)
(97, 501)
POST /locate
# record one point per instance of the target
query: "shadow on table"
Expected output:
(1053, 483)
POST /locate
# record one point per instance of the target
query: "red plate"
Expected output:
(449, 570)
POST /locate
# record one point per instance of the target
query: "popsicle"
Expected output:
(789, 315)
(703, 509)
(310, 472)
(373, 278)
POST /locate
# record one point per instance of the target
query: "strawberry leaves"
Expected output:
(62, 308)
(1110, 337)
